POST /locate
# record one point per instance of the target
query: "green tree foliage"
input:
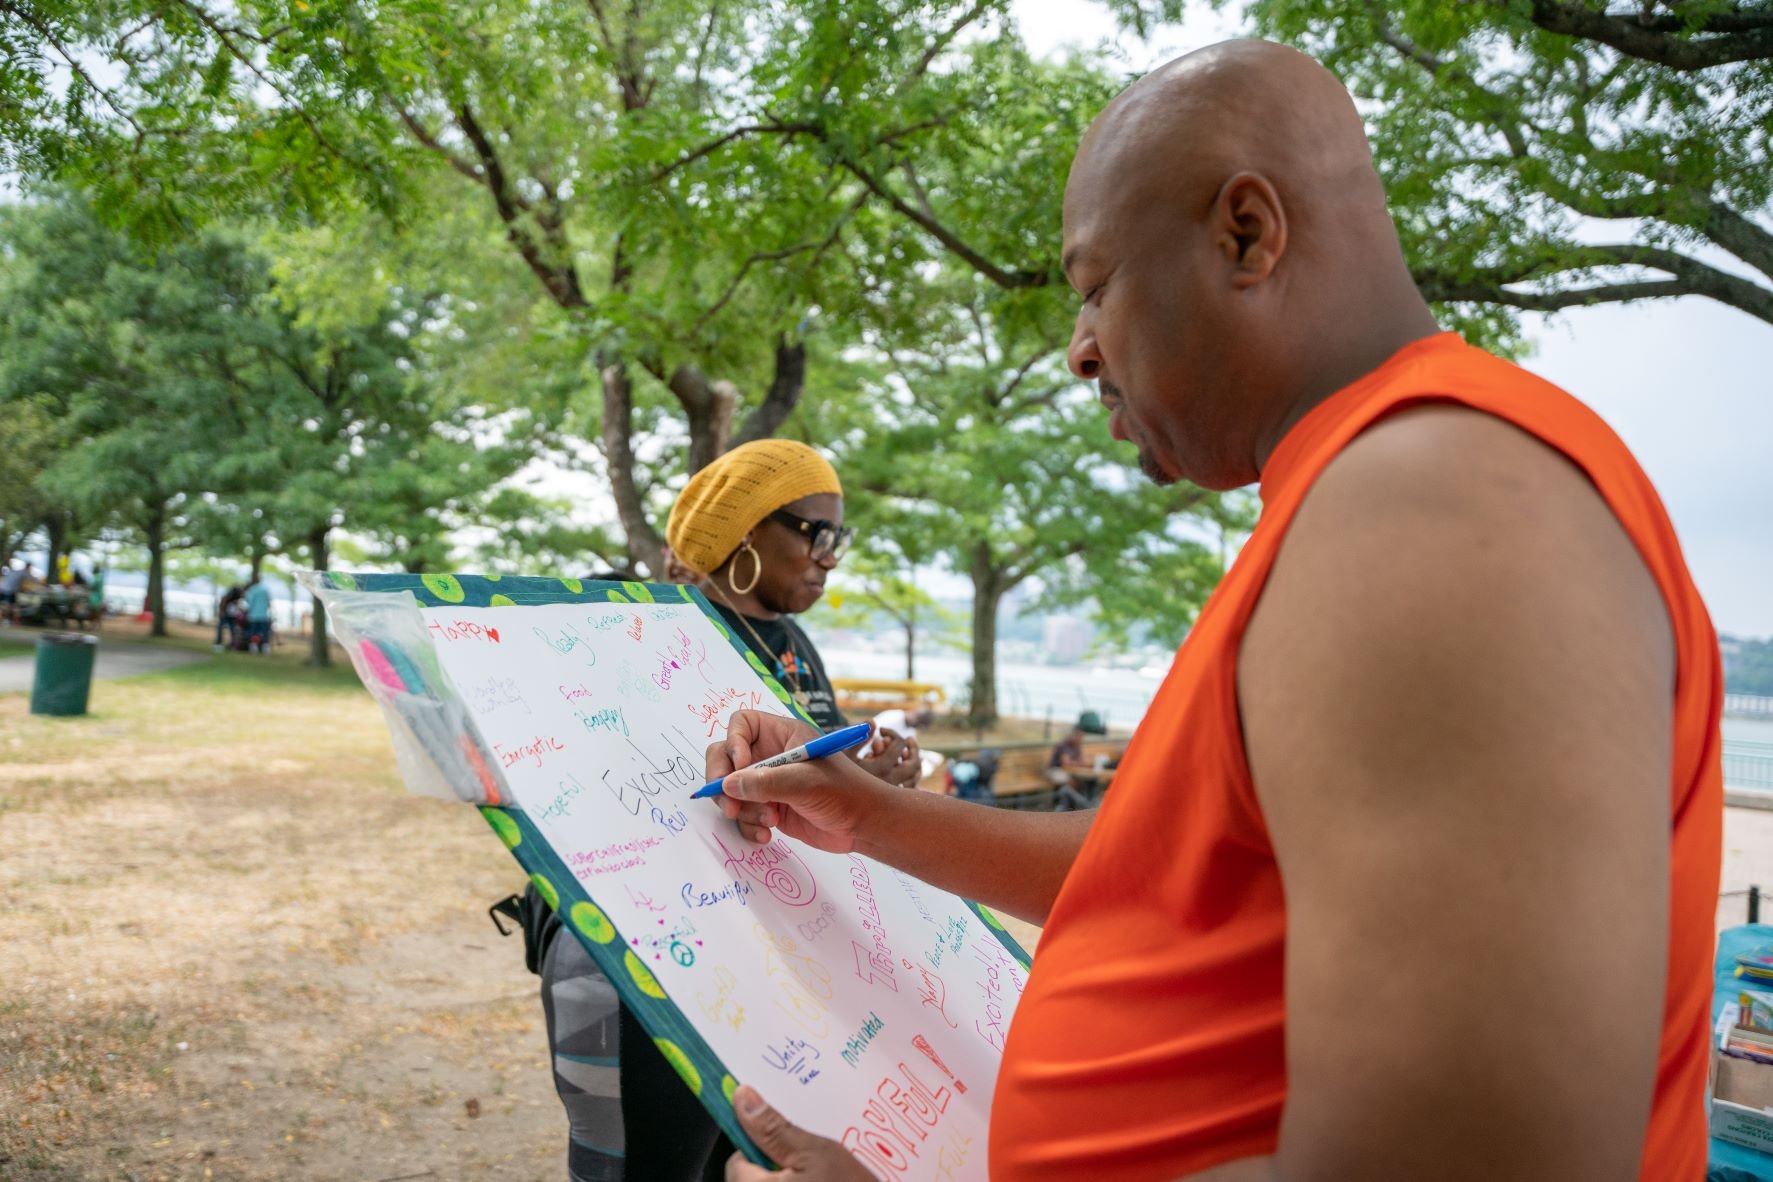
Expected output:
(1548, 154)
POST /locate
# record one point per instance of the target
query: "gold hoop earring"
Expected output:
(756, 570)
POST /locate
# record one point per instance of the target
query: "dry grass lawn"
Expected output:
(235, 949)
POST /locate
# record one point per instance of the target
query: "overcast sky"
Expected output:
(1688, 384)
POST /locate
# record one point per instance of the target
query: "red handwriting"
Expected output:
(573, 693)
(998, 966)
(932, 992)
(874, 964)
(719, 704)
(927, 1051)
(535, 749)
(635, 629)
(896, 1123)
(463, 630)
(774, 867)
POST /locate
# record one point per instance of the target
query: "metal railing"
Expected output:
(1748, 765)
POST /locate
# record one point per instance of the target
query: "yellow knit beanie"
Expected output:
(725, 501)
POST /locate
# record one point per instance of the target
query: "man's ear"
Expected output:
(1249, 227)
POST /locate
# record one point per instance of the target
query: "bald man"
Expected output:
(1410, 870)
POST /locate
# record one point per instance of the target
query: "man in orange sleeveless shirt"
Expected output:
(1410, 870)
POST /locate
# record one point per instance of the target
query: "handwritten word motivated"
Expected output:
(463, 630)
(896, 1123)
(794, 1057)
(873, 965)
(774, 867)
(537, 749)
(562, 804)
(858, 1042)
(734, 891)
(495, 694)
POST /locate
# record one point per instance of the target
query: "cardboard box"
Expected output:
(1741, 1094)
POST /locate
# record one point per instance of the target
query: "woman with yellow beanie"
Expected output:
(764, 524)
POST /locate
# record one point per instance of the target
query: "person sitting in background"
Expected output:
(95, 597)
(1068, 758)
(258, 616)
(11, 579)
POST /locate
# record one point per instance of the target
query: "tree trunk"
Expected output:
(708, 407)
(155, 601)
(258, 557)
(911, 646)
(644, 542)
(988, 591)
(318, 652)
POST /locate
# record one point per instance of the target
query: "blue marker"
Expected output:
(819, 748)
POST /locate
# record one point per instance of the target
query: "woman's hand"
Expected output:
(894, 758)
(802, 1156)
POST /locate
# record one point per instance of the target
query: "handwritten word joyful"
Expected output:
(898, 1121)
(858, 1042)
(535, 749)
(774, 867)
(496, 693)
(874, 964)
(929, 1052)
(794, 1057)
(463, 630)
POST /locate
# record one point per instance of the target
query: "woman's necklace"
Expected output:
(792, 676)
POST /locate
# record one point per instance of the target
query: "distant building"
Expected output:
(1066, 638)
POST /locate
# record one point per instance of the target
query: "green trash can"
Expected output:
(63, 676)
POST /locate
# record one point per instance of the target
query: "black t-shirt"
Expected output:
(1068, 748)
(787, 653)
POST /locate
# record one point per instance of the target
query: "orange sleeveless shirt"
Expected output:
(1150, 1041)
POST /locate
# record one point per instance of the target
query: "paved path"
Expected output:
(115, 659)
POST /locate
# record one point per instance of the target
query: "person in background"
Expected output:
(1067, 758)
(11, 579)
(227, 617)
(258, 615)
(95, 597)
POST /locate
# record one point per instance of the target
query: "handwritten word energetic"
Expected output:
(537, 749)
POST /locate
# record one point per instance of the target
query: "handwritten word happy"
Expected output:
(611, 719)
(463, 630)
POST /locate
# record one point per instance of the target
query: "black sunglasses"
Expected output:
(824, 539)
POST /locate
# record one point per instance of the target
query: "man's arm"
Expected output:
(1457, 700)
(1012, 861)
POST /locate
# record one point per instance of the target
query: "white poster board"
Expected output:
(864, 1004)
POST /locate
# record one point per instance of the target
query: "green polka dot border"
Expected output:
(674, 1055)
(504, 826)
(501, 601)
(572, 585)
(547, 891)
(642, 975)
(445, 587)
(728, 1085)
(590, 919)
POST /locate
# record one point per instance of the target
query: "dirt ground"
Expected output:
(234, 948)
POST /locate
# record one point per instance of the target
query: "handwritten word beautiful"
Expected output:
(536, 749)
(872, 964)
(734, 890)
(858, 1042)
(898, 1118)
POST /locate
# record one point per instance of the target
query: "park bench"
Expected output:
(1021, 779)
(862, 698)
